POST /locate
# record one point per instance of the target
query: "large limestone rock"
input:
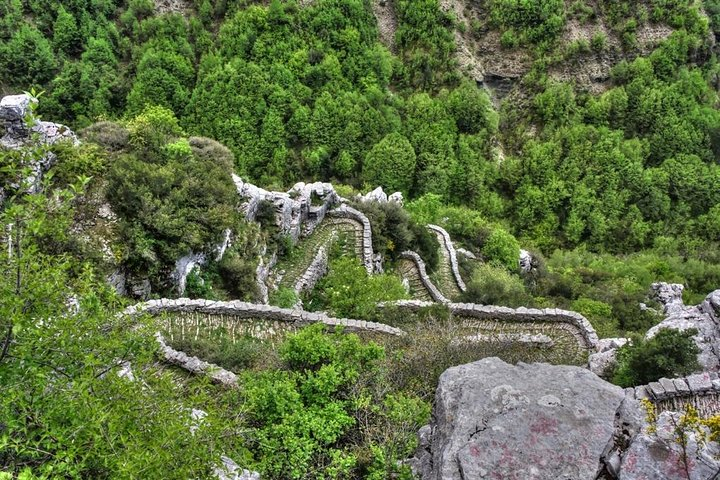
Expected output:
(297, 211)
(704, 317)
(496, 420)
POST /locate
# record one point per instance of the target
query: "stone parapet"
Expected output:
(424, 277)
(447, 245)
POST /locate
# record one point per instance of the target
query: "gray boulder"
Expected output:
(496, 420)
(659, 454)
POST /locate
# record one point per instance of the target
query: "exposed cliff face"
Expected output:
(481, 55)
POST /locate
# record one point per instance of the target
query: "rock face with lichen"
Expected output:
(493, 420)
(496, 420)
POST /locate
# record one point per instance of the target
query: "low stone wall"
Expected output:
(701, 391)
(237, 311)
(317, 269)
(194, 364)
(424, 277)
(345, 211)
(451, 255)
(585, 332)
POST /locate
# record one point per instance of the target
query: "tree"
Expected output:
(390, 164)
(27, 57)
(68, 410)
(472, 109)
(66, 36)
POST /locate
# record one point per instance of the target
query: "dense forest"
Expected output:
(611, 185)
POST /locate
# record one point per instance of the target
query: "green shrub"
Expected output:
(284, 297)
(238, 275)
(328, 413)
(348, 291)
(600, 315)
(502, 249)
(110, 135)
(492, 285)
(669, 354)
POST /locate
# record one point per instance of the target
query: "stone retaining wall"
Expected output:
(242, 311)
(701, 390)
(317, 269)
(345, 211)
(424, 277)
(451, 254)
(194, 364)
(586, 332)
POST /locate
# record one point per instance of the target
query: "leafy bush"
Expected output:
(348, 291)
(394, 231)
(670, 353)
(284, 297)
(171, 201)
(110, 135)
(306, 417)
(502, 249)
(492, 285)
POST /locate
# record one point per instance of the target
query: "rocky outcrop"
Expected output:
(297, 212)
(604, 360)
(660, 454)
(704, 317)
(495, 420)
(229, 470)
(379, 196)
(526, 261)
(23, 129)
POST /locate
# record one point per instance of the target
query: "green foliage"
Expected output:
(670, 354)
(426, 44)
(394, 231)
(306, 415)
(492, 285)
(18, 63)
(66, 409)
(284, 297)
(390, 164)
(348, 291)
(534, 21)
(172, 201)
(502, 249)
(66, 36)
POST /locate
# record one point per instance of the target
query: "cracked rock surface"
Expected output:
(495, 420)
